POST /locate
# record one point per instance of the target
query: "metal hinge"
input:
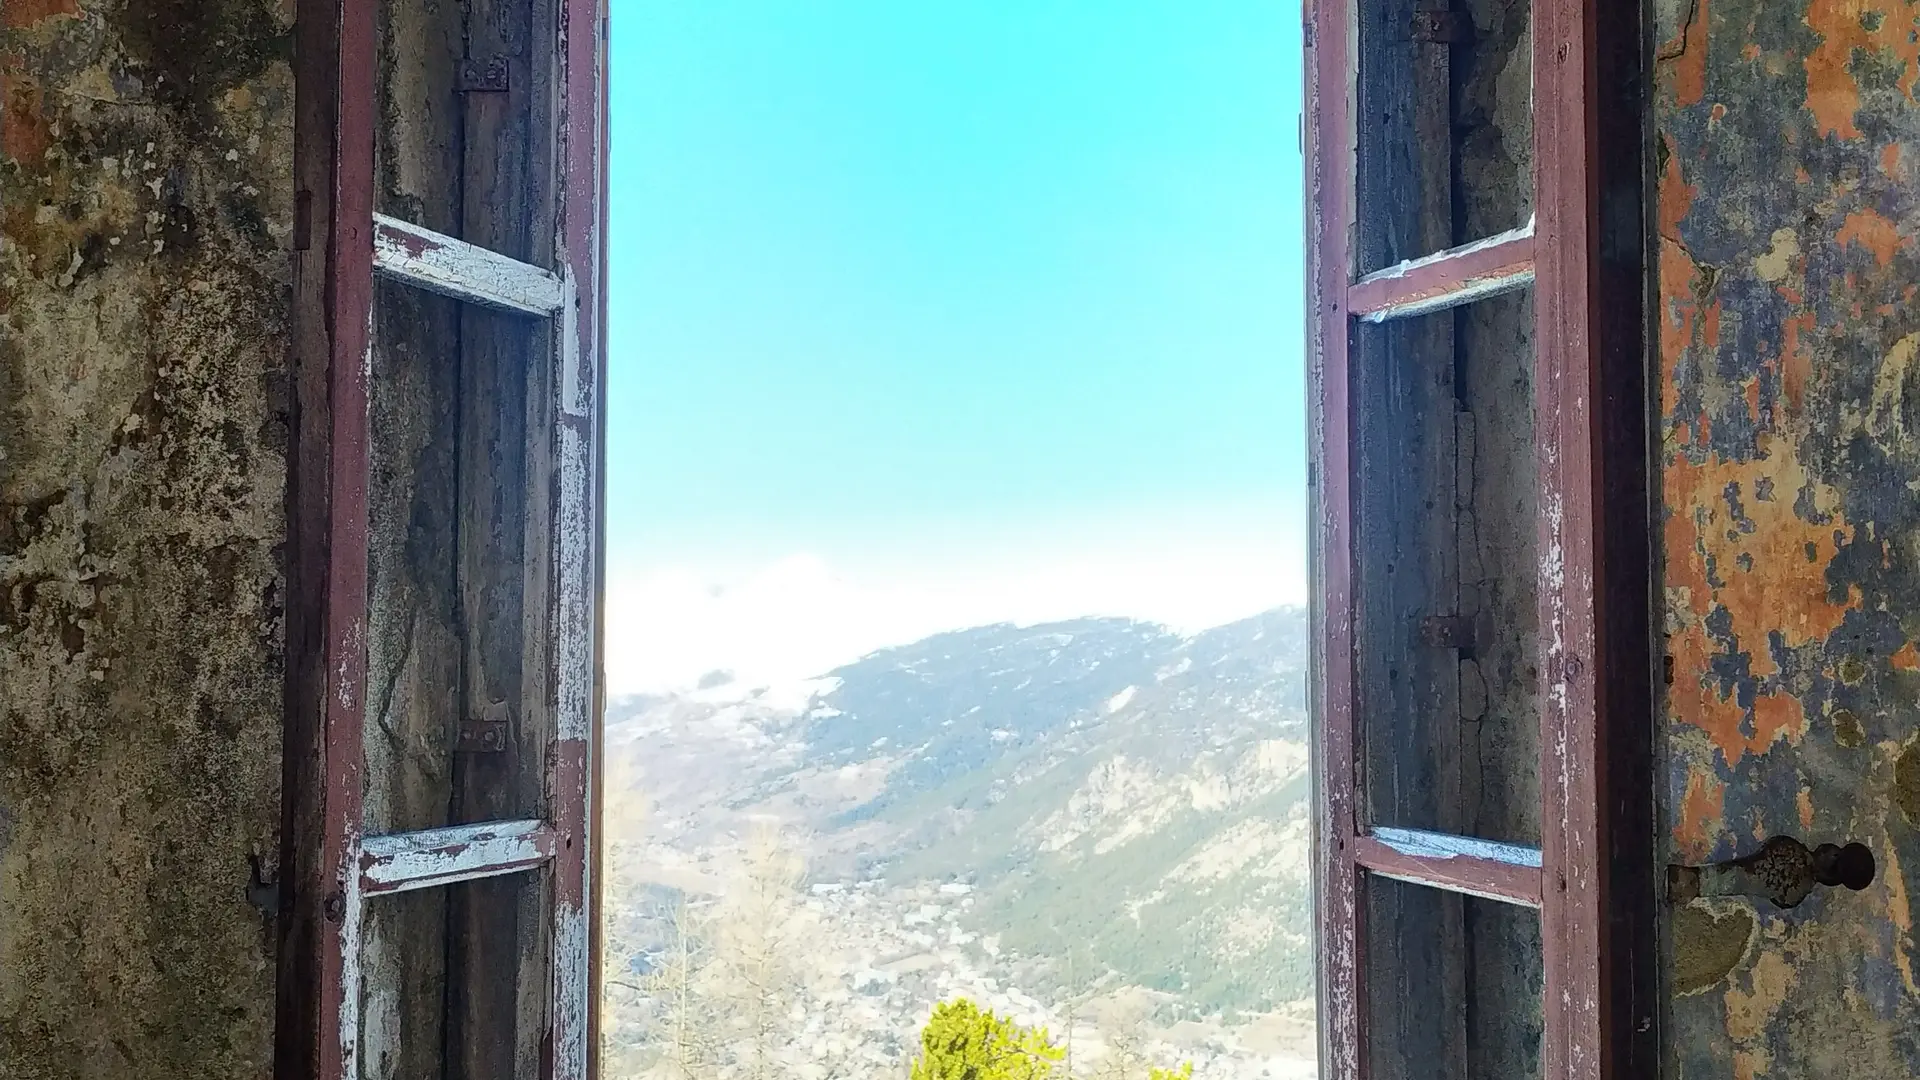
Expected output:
(1442, 27)
(483, 75)
(262, 893)
(486, 735)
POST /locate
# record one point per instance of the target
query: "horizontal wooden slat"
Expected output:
(1455, 863)
(419, 860)
(429, 260)
(1448, 279)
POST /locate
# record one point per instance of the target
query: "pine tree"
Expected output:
(684, 1031)
(757, 939)
(964, 1042)
(1124, 1031)
(1129, 1049)
(627, 1003)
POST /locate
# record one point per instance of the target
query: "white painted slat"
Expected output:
(417, 860)
(572, 985)
(1447, 279)
(576, 378)
(1421, 844)
(438, 263)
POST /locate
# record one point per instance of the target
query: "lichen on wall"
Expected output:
(145, 211)
(1788, 202)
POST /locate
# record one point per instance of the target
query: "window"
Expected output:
(1481, 571)
(436, 906)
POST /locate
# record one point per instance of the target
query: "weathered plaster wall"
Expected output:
(145, 206)
(1788, 156)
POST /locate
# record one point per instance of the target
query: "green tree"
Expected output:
(962, 1041)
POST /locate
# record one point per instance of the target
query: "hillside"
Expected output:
(1068, 816)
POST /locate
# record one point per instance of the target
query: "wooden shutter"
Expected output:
(1481, 562)
(523, 312)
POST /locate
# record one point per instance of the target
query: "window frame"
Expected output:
(328, 867)
(1586, 258)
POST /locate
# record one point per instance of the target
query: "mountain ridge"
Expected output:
(1108, 804)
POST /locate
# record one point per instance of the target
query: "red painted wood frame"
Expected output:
(1592, 878)
(329, 869)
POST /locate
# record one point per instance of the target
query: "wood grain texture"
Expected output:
(413, 636)
(1406, 535)
(1330, 190)
(499, 948)
(1595, 601)
(327, 599)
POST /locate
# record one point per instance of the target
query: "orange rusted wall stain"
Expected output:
(24, 132)
(1688, 57)
(1676, 195)
(1700, 815)
(19, 14)
(1776, 717)
(1677, 315)
(1890, 160)
(1833, 91)
(1754, 566)
(1901, 916)
(1870, 230)
(1796, 361)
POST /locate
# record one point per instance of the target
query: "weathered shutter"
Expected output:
(512, 862)
(1482, 681)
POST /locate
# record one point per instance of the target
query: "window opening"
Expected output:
(958, 543)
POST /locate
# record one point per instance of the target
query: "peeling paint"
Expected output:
(429, 260)
(435, 857)
(1853, 31)
(1790, 475)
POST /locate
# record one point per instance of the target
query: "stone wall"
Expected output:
(1788, 158)
(145, 209)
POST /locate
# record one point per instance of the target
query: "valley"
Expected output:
(1097, 826)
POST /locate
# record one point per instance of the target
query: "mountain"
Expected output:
(1071, 813)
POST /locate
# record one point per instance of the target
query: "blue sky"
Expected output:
(937, 312)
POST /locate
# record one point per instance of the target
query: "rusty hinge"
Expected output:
(486, 735)
(262, 893)
(1447, 632)
(483, 75)
(1442, 27)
